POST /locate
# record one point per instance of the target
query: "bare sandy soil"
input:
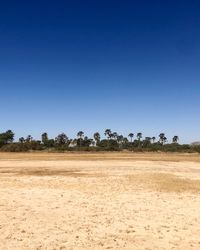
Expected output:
(99, 201)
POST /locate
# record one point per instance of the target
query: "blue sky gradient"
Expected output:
(132, 66)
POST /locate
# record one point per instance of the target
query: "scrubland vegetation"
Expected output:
(112, 141)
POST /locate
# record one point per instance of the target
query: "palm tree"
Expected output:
(120, 140)
(44, 137)
(175, 139)
(108, 133)
(153, 139)
(131, 135)
(21, 139)
(139, 136)
(97, 137)
(29, 138)
(80, 134)
(114, 135)
(162, 138)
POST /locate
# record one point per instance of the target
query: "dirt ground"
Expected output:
(99, 201)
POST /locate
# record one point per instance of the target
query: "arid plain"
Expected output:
(99, 201)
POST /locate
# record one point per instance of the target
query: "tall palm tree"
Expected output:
(162, 138)
(131, 135)
(44, 138)
(120, 140)
(175, 139)
(139, 136)
(80, 135)
(97, 137)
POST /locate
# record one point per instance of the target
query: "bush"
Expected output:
(196, 148)
(15, 147)
(109, 145)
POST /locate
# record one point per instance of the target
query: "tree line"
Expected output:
(111, 141)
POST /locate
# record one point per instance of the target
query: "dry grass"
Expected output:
(163, 182)
(85, 156)
(40, 172)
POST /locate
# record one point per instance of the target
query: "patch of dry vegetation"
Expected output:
(162, 182)
(45, 172)
(89, 156)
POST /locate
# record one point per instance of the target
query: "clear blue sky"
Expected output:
(132, 66)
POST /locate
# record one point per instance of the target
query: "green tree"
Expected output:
(29, 138)
(175, 139)
(21, 140)
(50, 143)
(131, 135)
(120, 140)
(139, 136)
(44, 138)
(6, 137)
(61, 139)
(80, 136)
(109, 145)
(108, 133)
(147, 142)
(162, 138)
(148, 139)
(114, 135)
(97, 137)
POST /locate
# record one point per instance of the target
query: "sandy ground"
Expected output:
(99, 201)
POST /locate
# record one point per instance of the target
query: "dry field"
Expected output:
(99, 201)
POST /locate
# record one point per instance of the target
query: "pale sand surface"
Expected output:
(99, 201)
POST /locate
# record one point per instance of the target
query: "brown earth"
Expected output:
(99, 201)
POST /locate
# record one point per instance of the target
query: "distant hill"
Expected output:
(196, 143)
